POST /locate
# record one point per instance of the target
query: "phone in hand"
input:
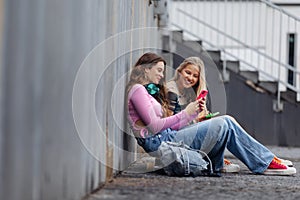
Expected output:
(202, 94)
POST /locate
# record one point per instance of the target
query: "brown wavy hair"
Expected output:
(138, 76)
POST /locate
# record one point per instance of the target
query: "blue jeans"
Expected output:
(213, 137)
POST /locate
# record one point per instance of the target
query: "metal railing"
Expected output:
(249, 31)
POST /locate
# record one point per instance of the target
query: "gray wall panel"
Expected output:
(45, 44)
(1, 93)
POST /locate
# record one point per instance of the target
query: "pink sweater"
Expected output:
(142, 106)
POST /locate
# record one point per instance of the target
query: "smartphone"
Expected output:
(202, 94)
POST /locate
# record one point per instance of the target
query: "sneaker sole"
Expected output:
(281, 172)
(235, 169)
(230, 170)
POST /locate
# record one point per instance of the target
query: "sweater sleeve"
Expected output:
(151, 115)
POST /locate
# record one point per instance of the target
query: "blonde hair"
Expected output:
(201, 85)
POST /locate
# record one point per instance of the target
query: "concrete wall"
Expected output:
(1, 87)
(59, 137)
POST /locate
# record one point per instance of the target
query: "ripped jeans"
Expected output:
(213, 137)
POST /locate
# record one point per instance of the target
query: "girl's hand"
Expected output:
(202, 104)
(202, 115)
(204, 111)
(195, 107)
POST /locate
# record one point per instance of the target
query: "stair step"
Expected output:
(270, 86)
(183, 51)
(289, 96)
(215, 55)
(177, 36)
(195, 45)
(232, 65)
(251, 75)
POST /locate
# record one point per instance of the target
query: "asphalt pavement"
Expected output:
(140, 182)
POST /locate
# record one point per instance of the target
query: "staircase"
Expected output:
(228, 31)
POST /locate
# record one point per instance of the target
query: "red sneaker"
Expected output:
(275, 164)
(277, 168)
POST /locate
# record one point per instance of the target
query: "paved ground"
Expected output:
(135, 183)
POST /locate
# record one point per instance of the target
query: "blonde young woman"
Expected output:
(185, 86)
(152, 123)
(188, 81)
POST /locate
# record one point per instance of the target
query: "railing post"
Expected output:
(224, 71)
(279, 105)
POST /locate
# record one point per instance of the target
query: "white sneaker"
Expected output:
(230, 167)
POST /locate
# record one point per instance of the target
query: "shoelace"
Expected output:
(275, 164)
(277, 160)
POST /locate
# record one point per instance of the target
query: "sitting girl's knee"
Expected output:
(220, 123)
(229, 117)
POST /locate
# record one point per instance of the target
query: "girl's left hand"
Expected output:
(202, 104)
(203, 111)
